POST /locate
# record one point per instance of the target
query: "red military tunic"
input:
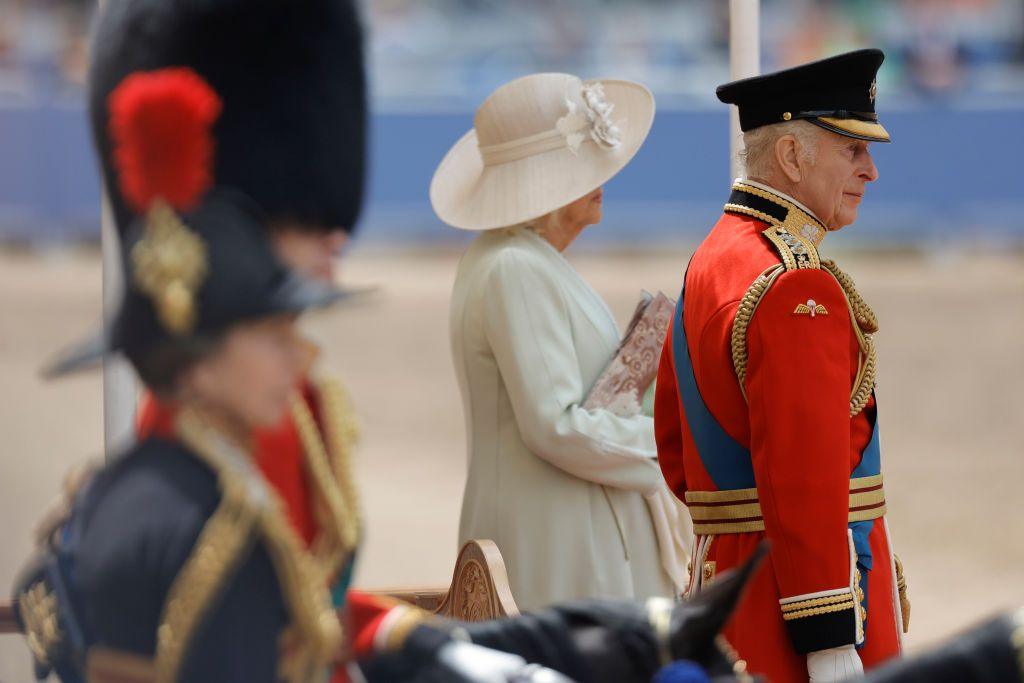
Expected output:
(771, 360)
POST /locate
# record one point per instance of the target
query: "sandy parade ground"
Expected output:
(950, 379)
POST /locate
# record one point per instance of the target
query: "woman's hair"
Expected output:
(759, 145)
(544, 223)
(161, 367)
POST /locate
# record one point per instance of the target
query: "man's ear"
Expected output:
(787, 157)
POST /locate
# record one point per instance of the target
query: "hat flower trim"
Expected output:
(593, 118)
(161, 125)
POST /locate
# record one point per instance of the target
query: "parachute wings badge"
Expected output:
(811, 308)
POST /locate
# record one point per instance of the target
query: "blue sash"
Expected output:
(727, 462)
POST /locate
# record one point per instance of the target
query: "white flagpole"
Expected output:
(118, 381)
(119, 390)
(744, 61)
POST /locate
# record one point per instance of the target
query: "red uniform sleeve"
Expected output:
(377, 624)
(798, 391)
(668, 422)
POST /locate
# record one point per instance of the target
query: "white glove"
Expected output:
(835, 664)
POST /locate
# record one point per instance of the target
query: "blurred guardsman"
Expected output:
(765, 412)
(176, 561)
(292, 137)
(289, 134)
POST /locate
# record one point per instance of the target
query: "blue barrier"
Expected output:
(950, 175)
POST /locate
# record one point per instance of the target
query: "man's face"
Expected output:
(834, 186)
(308, 251)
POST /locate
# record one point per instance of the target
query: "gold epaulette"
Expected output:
(795, 251)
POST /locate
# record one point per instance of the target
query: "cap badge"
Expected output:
(873, 91)
(811, 308)
(169, 264)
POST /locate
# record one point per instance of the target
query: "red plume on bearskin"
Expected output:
(160, 124)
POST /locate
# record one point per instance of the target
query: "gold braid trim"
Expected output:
(795, 251)
(305, 589)
(739, 666)
(254, 505)
(797, 220)
(866, 324)
(862, 611)
(331, 476)
(825, 609)
(863, 314)
(816, 602)
(38, 608)
(408, 619)
(1017, 636)
(223, 543)
(342, 434)
(748, 304)
(901, 587)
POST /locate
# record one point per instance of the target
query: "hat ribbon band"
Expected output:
(520, 148)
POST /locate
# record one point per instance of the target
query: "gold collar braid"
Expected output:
(777, 209)
(249, 509)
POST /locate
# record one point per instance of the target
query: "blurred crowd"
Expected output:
(428, 54)
(463, 48)
(43, 47)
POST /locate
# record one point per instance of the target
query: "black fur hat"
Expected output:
(290, 75)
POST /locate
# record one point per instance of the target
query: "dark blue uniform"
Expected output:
(139, 525)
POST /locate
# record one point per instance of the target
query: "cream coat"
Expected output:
(560, 489)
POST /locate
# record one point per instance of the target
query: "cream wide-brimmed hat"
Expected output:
(539, 143)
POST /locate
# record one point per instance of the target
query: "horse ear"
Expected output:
(698, 621)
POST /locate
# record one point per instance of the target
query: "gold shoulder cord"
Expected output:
(329, 461)
(797, 253)
(221, 547)
(748, 304)
(865, 325)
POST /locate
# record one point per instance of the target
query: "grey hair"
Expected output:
(759, 146)
(545, 223)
